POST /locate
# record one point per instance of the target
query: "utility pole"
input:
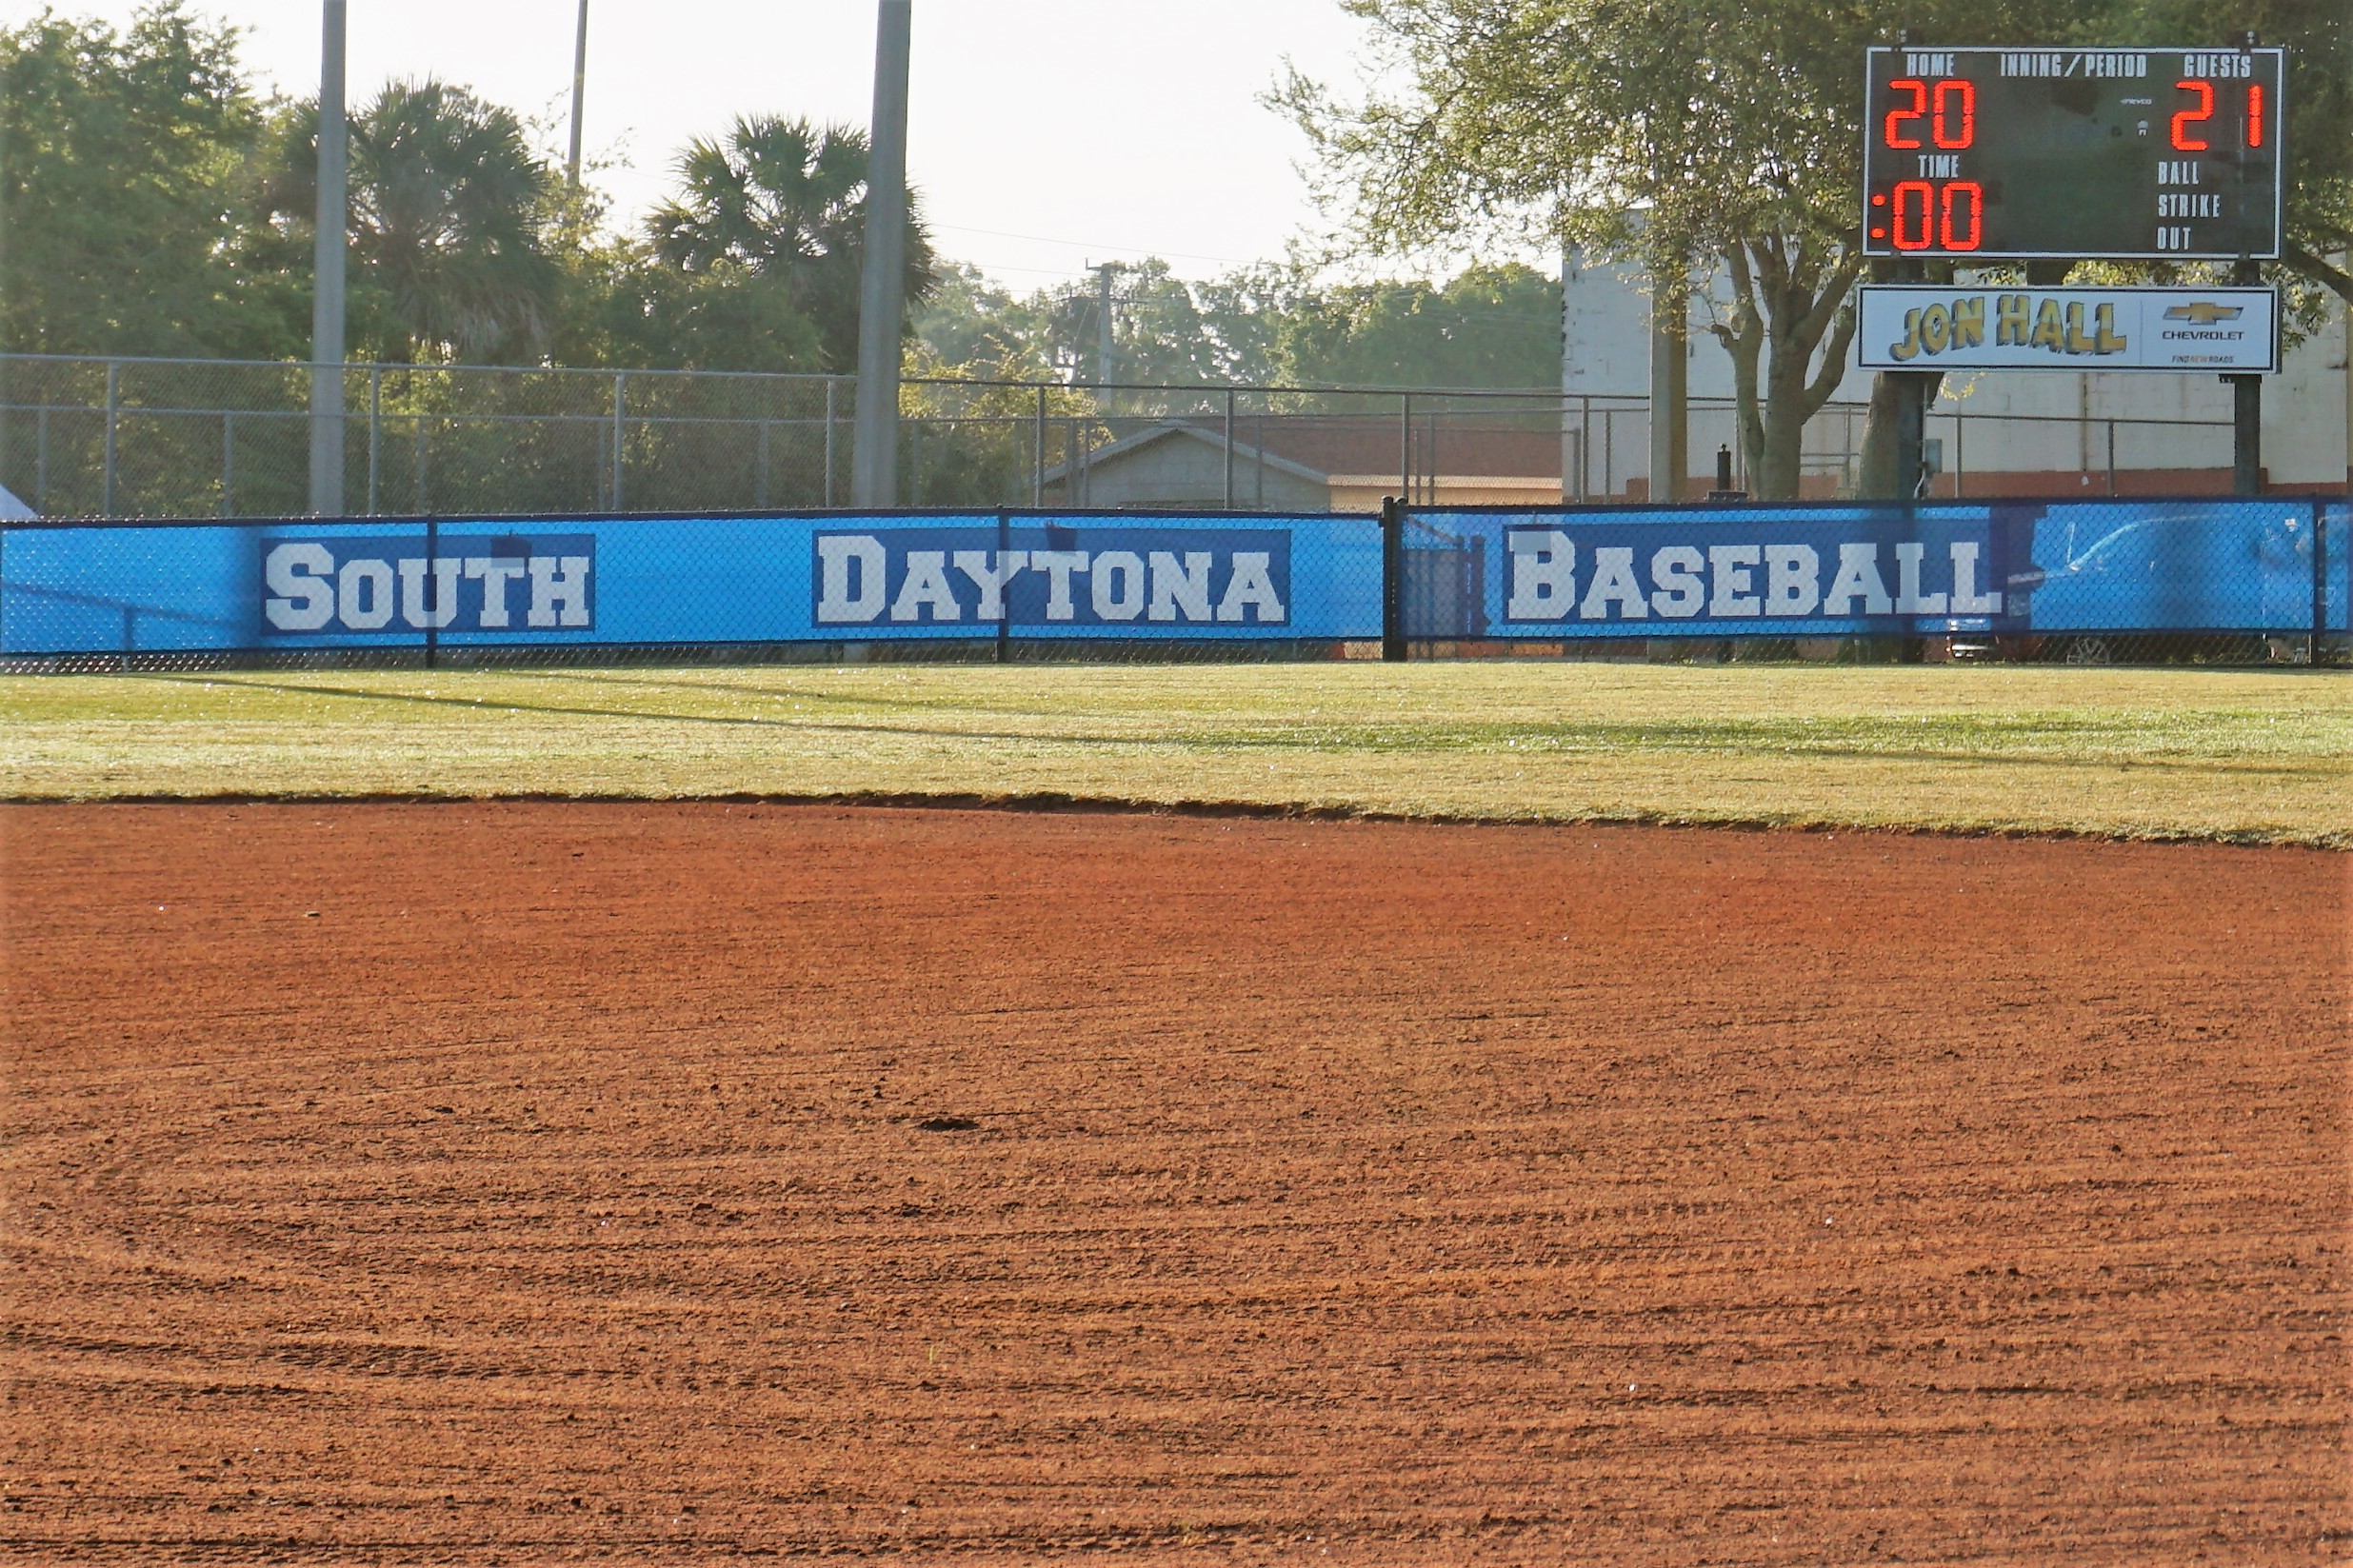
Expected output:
(335, 217)
(874, 474)
(1670, 403)
(1569, 477)
(1103, 272)
(580, 91)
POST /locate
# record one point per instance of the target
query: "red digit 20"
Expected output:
(1896, 117)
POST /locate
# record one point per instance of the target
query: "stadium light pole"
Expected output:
(335, 217)
(874, 469)
(580, 91)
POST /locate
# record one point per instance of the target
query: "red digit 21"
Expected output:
(2182, 120)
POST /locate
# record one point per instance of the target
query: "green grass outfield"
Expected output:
(2241, 755)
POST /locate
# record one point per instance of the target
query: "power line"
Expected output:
(1100, 244)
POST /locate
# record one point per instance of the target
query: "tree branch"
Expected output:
(2330, 277)
(1831, 300)
(1744, 346)
(1833, 366)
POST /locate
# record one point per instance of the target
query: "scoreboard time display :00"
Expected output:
(2129, 153)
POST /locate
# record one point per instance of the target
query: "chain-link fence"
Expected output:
(833, 587)
(2225, 580)
(187, 438)
(2201, 582)
(184, 439)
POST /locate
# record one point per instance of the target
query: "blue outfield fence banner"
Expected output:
(1099, 577)
(1112, 580)
(1926, 570)
(832, 578)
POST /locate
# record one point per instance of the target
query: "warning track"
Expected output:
(673, 1182)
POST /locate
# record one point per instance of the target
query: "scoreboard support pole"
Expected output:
(2246, 413)
(1912, 430)
(1911, 390)
(2246, 434)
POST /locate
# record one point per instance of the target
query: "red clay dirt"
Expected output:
(530, 1181)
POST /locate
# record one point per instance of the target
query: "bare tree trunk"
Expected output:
(1777, 465)
(1876, 478)
(1787, 299)
(1875, 468)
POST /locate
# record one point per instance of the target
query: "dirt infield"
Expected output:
(522, 1183)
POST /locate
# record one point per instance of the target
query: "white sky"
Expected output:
(1044, 133)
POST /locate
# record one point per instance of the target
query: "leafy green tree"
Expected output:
(122, 161)
(1728, 132)
(455, 225)
(967, 324)
(1661, 130)
(784, 202)
(1164, 329)
(1492, 326)
(626, 309)
(2318, 135)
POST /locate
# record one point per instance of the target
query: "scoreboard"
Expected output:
(2129, 153)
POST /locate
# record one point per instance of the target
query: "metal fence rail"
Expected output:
(90, 437)
(185, 437)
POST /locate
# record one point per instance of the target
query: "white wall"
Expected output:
(1606, 354)
(2303, 416)
(1605, 336)
(1606, 333)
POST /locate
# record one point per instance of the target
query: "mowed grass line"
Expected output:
(2246, 756)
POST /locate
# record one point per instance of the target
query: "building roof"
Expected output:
(1320, 448)
(1172, 428)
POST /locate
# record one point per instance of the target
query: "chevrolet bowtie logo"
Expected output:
(2204, 312)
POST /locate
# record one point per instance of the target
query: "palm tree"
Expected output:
(452, 222)
(785, 202)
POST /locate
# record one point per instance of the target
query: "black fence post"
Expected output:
(432, 591)
(1005, 597)
(1392, 580)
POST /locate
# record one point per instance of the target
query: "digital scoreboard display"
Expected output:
(2138, 153)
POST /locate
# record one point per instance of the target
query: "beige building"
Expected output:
(1316, 462)
(1996, 432)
